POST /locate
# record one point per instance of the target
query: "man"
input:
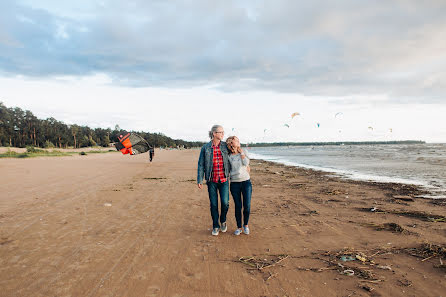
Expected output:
(213, 164)
(151, 153)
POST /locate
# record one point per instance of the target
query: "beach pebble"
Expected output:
(107, 204)
(385, 267)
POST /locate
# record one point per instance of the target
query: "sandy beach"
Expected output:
(115, 225)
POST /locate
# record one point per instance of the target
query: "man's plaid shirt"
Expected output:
(218, 172)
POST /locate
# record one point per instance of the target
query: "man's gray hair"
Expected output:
(214, 129)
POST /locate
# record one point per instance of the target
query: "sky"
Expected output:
(178, 67)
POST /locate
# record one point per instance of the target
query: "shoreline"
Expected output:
(424, 190)
(115, 225)
(411, 189)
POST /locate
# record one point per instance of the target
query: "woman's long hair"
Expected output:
(231, 148)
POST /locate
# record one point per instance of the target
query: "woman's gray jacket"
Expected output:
(205, 161)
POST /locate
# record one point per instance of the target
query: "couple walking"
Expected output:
(218, 163)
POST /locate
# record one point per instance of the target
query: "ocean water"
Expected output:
(418, 164)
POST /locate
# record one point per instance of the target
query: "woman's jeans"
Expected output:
(223, 188)
(239, 189)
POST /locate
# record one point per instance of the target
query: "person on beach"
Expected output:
(151, 153)
(213, 164)
(241, 187)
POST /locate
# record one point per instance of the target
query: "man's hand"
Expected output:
(200, 186)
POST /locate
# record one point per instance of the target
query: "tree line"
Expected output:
(21, 128)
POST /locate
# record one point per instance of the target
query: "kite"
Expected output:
(391, 130)
(131, 143)
(286, 125)
(294, 114)
(318, 125)
(370, 128)
(338, 114)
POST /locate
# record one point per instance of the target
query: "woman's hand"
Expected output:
(242, 154)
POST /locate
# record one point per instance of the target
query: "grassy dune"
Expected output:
(32, 152)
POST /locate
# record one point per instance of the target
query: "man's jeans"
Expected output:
(237, 190)
(223, 188)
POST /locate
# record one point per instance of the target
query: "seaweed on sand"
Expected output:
(427, 251)
(393, 227)
(421, 215)
(263, 262)
(350, 262)
(259, 264)
(413, 214)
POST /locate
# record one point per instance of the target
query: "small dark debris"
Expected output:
(5, 240)
(403, 198)
(367, 288)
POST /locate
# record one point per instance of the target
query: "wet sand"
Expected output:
(114, 225)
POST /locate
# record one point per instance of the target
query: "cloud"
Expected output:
(345, 48)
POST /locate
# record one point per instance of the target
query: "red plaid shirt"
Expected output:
(218, 172)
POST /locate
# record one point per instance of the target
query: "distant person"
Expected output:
(151, 153)
(213, 164)
(241, 187)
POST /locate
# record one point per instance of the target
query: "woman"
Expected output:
(240, 187)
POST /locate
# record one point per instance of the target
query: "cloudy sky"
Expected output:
(177, 67)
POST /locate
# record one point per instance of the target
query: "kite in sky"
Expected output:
(294, 114)
(131, 143)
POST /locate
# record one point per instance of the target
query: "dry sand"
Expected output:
(114, 225)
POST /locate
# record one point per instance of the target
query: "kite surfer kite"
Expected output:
(133, 144)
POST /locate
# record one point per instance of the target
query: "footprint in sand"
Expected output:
(188, 275)
(153, 291)
(140, 275)
(197, 252)
(159, 268)
(156, 268)
(229, 287)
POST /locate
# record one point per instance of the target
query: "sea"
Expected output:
(421, 164)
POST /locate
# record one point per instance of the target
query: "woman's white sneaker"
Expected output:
(215, 231)
(238, 232)
(246, 230)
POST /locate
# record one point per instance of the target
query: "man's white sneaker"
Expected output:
(238, 232)
(224, 227)
(215, 231)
